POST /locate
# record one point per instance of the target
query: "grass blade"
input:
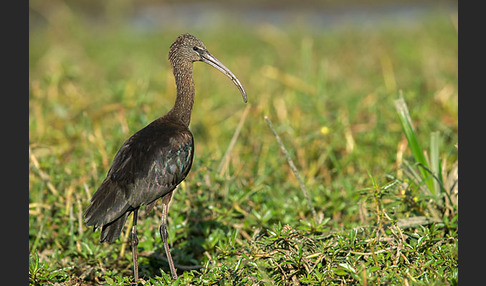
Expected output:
(435, 160)
(417, 151)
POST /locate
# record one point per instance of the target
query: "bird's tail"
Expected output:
(108, 209)
(110, 232)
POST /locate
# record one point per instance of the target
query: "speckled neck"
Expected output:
(182, 109)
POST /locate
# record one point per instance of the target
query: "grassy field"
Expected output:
(380, 211)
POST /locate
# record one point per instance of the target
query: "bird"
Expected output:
(156, 159)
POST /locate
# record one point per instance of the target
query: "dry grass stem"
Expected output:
(225, 161)
(294, 169)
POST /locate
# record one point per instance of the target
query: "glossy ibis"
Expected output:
(151, 163)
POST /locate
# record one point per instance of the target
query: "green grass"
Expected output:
(331, 97)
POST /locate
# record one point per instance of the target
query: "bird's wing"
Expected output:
(149, 165)
(153, 162)
(165, 168)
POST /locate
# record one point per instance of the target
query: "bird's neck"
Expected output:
(185, 93)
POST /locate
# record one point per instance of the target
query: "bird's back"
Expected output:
(149, 165)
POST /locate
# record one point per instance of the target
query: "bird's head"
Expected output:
(189, 49)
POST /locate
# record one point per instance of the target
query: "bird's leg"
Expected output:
(164, 234)
(134, 241)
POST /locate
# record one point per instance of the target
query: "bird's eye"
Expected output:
(195, 48)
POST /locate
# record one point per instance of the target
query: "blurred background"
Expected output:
(117, 51)
(157, 16)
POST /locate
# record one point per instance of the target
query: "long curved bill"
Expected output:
(206, 57)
